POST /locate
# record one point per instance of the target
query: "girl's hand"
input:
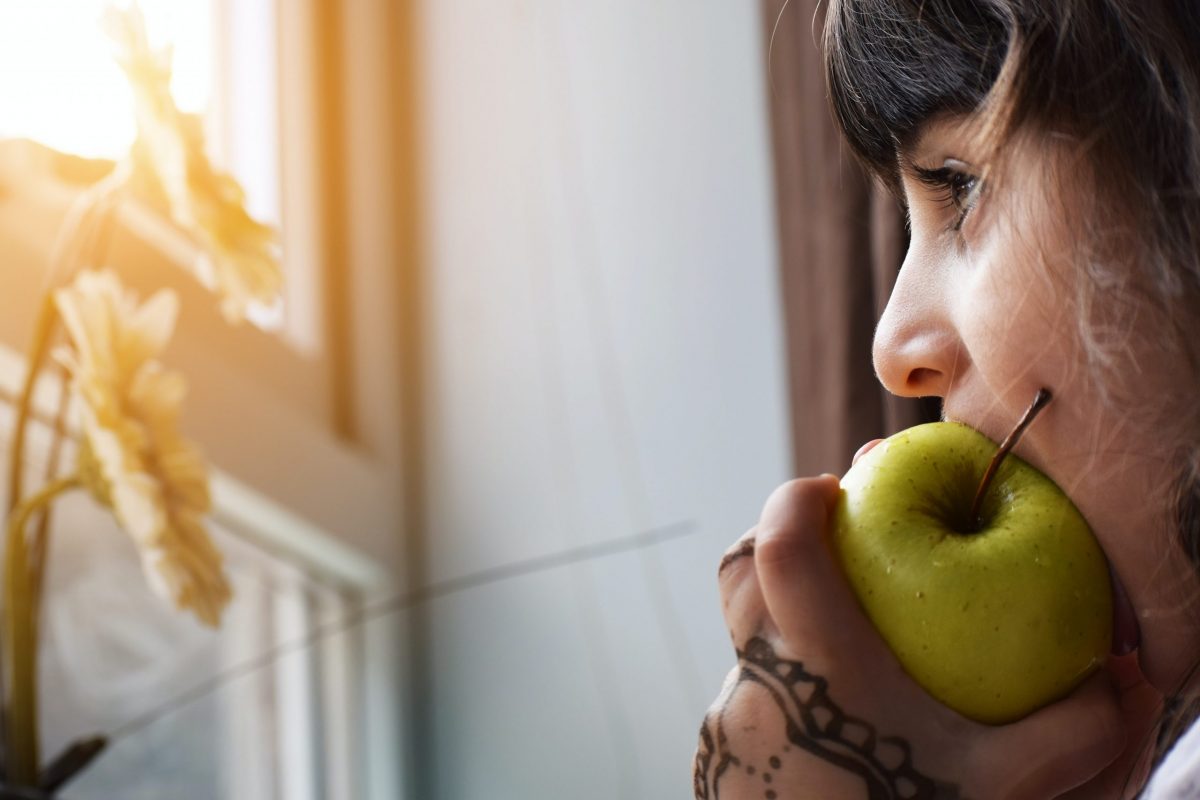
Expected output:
(1141, 709)
(818, 707)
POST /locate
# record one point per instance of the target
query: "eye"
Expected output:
(958, 188)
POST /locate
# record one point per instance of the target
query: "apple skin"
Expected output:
(994, 623)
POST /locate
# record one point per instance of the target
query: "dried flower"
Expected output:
(132, 457)
(239, 256)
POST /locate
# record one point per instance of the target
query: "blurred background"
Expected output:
(570, 288)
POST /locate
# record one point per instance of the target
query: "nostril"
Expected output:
(922, 377)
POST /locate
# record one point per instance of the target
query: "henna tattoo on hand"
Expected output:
(744, 550)
(816, 725)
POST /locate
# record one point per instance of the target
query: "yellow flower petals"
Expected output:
(241, 255)
(133, 458)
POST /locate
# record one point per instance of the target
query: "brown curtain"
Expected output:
(842, 240)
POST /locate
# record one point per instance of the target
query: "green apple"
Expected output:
(994, 617)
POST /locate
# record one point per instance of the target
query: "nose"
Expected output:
(917, 349)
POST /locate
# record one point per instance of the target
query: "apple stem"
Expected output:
(1040, 400)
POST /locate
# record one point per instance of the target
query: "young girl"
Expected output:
(1048, 155)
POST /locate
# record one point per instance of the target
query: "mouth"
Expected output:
(1126, 633)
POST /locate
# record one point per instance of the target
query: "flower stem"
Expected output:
(39, 347)
(19, 639)
(74, 227)
(97, 238)
(39, 540)
(44, 329)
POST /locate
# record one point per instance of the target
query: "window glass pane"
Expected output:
(64, 89)
(62, 86)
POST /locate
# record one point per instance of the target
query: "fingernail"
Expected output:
(862, 451)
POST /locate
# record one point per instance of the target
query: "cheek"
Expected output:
(1029, 314)
(1020, 327)
(1017, 328)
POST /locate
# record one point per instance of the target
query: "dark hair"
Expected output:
(1121, 73)
(1118, 78)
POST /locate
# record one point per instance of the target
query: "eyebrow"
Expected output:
(909, 145)
(914, 142)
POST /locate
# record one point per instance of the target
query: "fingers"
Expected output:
(802, 584)
(743, 548)
(1063, 745)
(741, 600)
(1141, 712)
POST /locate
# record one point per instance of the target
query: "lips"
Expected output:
(1126, 634)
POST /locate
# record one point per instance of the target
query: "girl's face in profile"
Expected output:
(984, 314)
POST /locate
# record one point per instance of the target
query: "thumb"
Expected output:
(804, 589)
(1062, 745)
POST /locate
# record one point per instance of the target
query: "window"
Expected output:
(257, 709)
(72, 96)
(298, 421)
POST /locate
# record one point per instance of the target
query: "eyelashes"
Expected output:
(957, 188)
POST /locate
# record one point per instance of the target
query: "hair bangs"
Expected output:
(893, 64)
